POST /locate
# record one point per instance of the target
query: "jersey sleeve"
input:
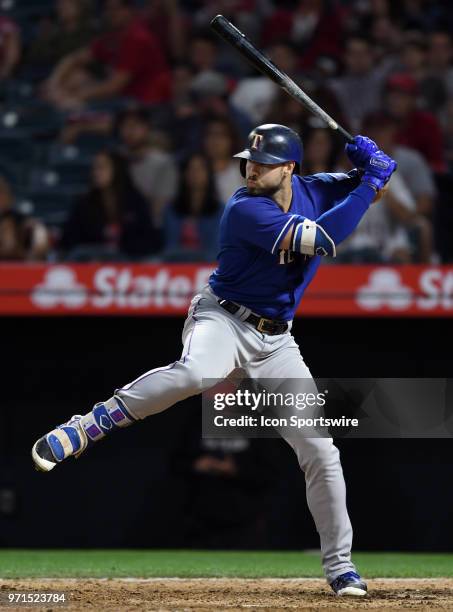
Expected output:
(330, 189)
(260, 221)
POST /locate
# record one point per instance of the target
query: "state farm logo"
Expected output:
(118, 287)
(386, 288)
(60, 288)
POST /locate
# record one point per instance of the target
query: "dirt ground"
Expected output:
(215, 595)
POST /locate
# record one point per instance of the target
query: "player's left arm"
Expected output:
(321, 235)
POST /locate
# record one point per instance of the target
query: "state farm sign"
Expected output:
(153, 289)
(437, 289)
(117, 287)
(387, 288)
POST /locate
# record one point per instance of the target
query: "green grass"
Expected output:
(190, 564)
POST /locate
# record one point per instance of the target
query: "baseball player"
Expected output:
(273, 234)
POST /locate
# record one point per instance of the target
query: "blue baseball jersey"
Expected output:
(253, 271)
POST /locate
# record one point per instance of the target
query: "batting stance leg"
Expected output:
(213, 347)
(318, 458)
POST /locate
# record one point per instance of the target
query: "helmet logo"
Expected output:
(257, 138)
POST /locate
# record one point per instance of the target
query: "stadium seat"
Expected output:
(51, 180)
(91, 143)
(12, 172)
(18, 92)
(27, 9)
(64, 154)
(17, 147)
(111, 105)
(38, 120)
(51, 208)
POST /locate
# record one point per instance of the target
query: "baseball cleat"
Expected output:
(349, 584)
(66, 440)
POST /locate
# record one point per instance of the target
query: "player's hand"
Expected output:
(378, 170)
(360, 151)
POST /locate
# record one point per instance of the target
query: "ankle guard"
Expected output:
(105, 418)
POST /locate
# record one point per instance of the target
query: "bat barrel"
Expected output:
(230, 34)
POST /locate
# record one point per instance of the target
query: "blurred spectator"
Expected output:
(242, 11)
(210, 87)
(412, 167)
(153, 171)
(130, 55)
(211, 98)
(209, 93)
(255, 95)
(288, 111)
(195, 100)
(419, 14)
(315, 26)
(203, 52)
(22, 238)
(382, 19)
(369, 10)
(10, 47)
(71, 29)
(247, 15)
(386, 36)
(321, 149)
(191, 220)
(182, 78)
(383, 234)
(112, 219)
(448, 131)
(417, 129)
(440, 57)
(166, 20)
(179, 117)
(220, 144)
(414, 61)
(359, 89)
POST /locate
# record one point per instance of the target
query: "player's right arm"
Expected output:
(259, 221)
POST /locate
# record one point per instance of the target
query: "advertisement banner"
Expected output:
(166, 289)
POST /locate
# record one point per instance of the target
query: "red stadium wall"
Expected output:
(155, 289)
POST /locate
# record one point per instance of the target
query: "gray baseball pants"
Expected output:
(216, 343)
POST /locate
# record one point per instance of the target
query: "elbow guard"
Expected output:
(309, 238)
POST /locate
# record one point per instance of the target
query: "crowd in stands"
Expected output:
(119, 119)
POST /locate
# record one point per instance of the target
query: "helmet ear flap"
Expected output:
(242, 165)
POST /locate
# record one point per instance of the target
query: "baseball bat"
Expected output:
(226, 30)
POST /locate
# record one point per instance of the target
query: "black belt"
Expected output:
(265, 326)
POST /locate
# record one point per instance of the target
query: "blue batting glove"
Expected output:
(378, 170)
(360, 151)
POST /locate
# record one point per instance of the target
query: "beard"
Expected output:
(264, 191)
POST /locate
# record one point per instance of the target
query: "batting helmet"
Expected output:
(272, 144)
